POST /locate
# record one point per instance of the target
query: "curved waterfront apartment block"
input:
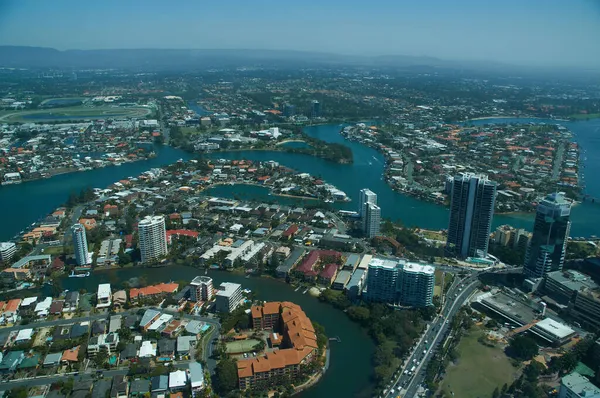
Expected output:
(152, 238)
(471, 213)
(548, 245)
(400, 282)
(82, 256)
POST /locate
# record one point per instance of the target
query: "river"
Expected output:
(350, 367)
(23, 204)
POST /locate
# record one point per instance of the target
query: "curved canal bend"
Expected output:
(350, 370)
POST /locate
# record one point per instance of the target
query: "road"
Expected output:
(406, 384)
(78, 376)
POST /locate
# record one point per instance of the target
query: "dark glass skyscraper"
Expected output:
(471, 212)
(315, 109)
(546, 251)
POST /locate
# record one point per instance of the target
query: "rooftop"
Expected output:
(227, 289)
(580, 385)
(555, 328)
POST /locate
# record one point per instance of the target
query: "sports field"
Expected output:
(479, 370)
(72, 113)
(236, 347)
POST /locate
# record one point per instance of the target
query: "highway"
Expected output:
(406, 384)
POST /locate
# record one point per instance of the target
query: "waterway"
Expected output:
(350, 367)
(367, 171)
(350, 362)
(25, 203)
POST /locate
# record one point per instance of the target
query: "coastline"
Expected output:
(75, 170)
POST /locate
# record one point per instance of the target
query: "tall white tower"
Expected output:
(82, 257)
(152, 238)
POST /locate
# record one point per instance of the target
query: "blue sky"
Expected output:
(524, 32)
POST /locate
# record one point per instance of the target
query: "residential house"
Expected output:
(119, 298)
(166, 349)
(184, 344)
(71, 301)
(159, 384)
(177, 380)
(101, 388)
(129, 353)
(71, 355)
(196, 378)
(52, 359)
(11, 360)
(139, 388)
(120, 387)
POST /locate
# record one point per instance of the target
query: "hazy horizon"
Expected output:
(550, 33)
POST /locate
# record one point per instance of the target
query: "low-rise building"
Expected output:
(575, 385)
(196, 378)
(104, 296)
(103, 342)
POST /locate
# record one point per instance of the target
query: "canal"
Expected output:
(350, 370)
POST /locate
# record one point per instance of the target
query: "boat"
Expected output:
(370, 163)
(74, 275)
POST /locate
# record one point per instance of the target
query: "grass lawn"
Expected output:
(582, 116)
(479, 369)
(241, 345)
(439, 277)
(53, 250)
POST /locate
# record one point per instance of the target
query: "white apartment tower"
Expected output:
(152, 238)
(202, 288)
(7, 250)
(372, 220)
(82, 257)
(365, 196)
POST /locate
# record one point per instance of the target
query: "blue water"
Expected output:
(198, 109)
(25, 203)
(367, 170)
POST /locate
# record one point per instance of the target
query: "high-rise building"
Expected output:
(471, 212)
(371, 220)
(202, 288)
(416, 284)
(365, 196)
(400, 282)
(289, 110)
(152, 237)
(315, 109)
(82, 257)
(7, 250)
(546, 250)
(382, 279)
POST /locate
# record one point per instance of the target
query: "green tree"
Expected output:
(359, 314)
(496, 393)
(226, 376)
(523, 348)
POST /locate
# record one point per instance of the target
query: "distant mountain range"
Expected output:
(164, 59)
(42, 57)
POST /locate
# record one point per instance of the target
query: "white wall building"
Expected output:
(228, 297)
(202, 288)
(371, 220)
(7, 250)
(575, 385)
(104, 295)
(365, 196)
(82, 256)
(152, 238)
